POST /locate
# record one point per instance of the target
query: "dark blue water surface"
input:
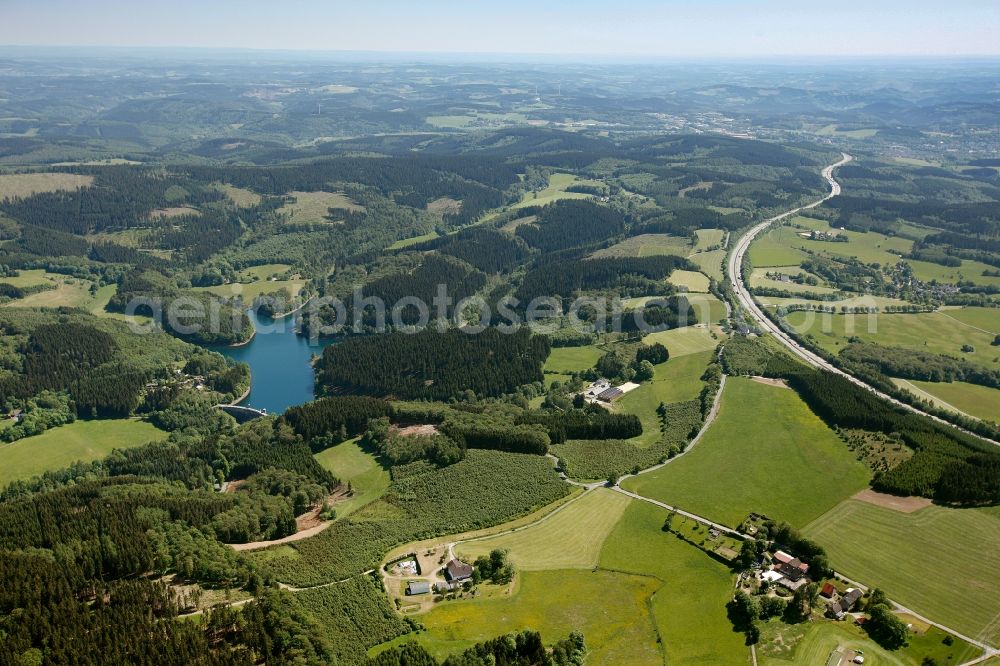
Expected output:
(279, 360)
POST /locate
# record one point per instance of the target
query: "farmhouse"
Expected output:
(597, 388)
(611, 394)
(845, 603)
(418, 587)
(457, 571)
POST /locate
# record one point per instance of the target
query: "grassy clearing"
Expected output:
(609, 608)
(241, 197)
(407, 242)
(689, 609)
(570, 539)
(314, 207)
(937, 332)
(31, 278)
(647, 245)
(708, 308)
(693, 281)
(683, 341)
(708, 237)
(565, 360)
(368, 479)
(254, 289)
(815, 642)
(766, 452)
(979, 401)
(556, 190)
(68, 292)
(21, 185)
(941, 562)
(710, 263)
(81, 440)
(677, 380)
(258, 280)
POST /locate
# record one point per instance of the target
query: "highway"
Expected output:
(734, 269)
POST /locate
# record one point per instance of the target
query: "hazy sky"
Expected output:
(627, 27)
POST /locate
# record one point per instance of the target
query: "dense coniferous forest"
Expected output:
(434, 365)
(631, 276)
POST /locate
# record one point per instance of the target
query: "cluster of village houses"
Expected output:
(793, 573)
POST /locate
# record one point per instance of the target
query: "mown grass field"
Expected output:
(368, 479)
(21, 185)
(708, 308)
(774, 248)
(937, 332)
(691, 280)
(710, 263)
(556, 190)
(987, 319)
(683, 341)
(676, 380)
(767, 453)
(689, 607)
(564, 360)
(980, 401)
(647, 245)
(610, 608)
(708, 237)
(571, 538)
(81, 440)
(941, 562)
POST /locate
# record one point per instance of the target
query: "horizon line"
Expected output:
(471, 55)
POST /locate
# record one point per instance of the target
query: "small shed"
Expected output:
(418, 587)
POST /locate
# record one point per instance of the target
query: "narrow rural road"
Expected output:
(734, 270)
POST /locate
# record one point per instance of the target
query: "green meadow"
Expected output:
(943, 563)
(78, 441)
(349, 463)
(939, 332)
(766, 453)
